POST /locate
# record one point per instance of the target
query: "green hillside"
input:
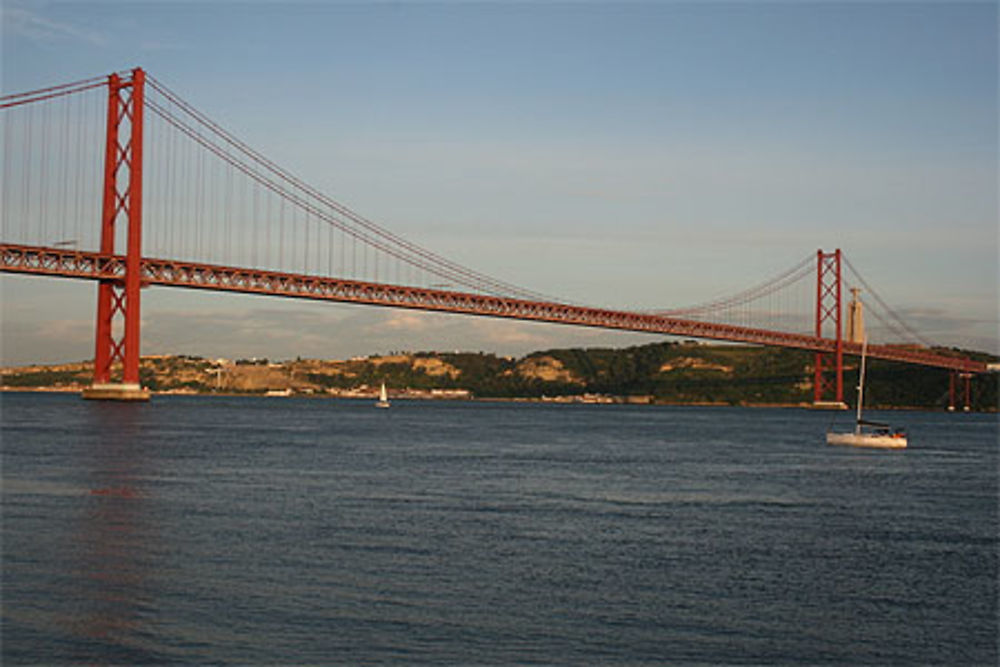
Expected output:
(656, 373)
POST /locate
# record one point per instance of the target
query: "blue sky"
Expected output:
(640, 155)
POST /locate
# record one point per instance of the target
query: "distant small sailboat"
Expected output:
(877, 434)
(383, 398)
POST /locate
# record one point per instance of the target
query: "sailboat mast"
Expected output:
(861, 384)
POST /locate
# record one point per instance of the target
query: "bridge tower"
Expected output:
(829, 391)
(117, 337)
(959, 383)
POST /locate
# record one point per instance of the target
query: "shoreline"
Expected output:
(545, 400)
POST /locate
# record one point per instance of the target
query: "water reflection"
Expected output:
(110, 550)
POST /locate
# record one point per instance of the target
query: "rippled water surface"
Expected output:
(238, 530)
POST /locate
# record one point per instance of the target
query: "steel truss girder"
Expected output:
(95, 266)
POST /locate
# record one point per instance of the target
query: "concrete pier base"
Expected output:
(829, 405)
(115, 392)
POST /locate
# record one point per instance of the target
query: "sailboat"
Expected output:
(383, 398)
(867, 433)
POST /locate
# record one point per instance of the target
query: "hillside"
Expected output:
(687, 373)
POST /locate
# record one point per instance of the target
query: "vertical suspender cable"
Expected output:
(5, 188)
(281, 234)
(43, 176)
(28, 166)
(63, 160)
(254, 223)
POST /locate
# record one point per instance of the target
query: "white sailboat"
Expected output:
(867, 433)
(383, 398)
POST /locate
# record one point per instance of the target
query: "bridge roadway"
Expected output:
(68, 263)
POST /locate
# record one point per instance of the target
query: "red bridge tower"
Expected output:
(829, 391)
(118, 300)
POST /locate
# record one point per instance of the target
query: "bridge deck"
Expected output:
(94, 266)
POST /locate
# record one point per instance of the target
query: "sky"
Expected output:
(634, 155)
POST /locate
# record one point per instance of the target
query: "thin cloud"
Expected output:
(37, 28)
(160, 46)
(403, 321)
(54, 341)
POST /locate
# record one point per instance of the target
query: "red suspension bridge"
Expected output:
(118, 180)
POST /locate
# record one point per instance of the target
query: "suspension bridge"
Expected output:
(117, 179)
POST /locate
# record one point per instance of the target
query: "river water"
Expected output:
(313, 531)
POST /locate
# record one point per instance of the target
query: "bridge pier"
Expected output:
(829, 405)
(113, 391)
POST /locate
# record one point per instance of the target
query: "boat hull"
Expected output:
(877, 441)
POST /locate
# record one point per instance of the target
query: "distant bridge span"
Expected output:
(95, 266)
